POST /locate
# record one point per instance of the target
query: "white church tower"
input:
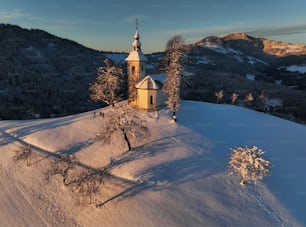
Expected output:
(144, 92)
(136, 62)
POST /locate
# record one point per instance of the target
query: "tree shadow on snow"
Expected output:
(74, 148)
(165, 175)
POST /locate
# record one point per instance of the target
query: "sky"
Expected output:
(110, 25)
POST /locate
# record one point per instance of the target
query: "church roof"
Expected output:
(149, 84)
(136, 56)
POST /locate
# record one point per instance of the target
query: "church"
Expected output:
(143, 91)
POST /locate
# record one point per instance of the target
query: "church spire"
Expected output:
(136, 43)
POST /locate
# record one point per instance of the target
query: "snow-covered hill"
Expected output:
(177, 178)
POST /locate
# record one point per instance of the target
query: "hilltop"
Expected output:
(178, 177)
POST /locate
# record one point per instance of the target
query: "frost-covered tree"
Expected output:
(172, 84)
(249, 98)
(219, 95)
(127, 120)
(108, 83)
(249, 164)
(234, 97)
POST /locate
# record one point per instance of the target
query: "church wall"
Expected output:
(144, 97)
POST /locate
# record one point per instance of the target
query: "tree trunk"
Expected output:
(174, 116)
(126, 139)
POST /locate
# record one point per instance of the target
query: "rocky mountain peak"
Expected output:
(238, 36)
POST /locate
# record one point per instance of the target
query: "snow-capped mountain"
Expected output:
(36, 64)
(241, 63)
(241, 50)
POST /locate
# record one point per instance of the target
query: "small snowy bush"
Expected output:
(249, 164)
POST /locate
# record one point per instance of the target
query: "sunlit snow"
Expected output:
(178, 177)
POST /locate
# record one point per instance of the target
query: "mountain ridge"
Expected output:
(38, 64)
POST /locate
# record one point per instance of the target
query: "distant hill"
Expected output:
(42, 75)
(240, 63)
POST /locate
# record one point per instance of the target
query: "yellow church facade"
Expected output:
(143, 91)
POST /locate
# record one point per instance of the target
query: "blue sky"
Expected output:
(110, 25)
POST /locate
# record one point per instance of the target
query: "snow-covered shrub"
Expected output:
(249, 164)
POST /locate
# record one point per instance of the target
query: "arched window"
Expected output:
(133, 70)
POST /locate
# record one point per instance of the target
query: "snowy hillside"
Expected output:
(177, 178)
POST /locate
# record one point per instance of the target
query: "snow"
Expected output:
(252, 61)
(250, 77)
(278, 82)
(273, 102)
(237, 54)
(177, 178)
(160, 77)
(221, 50)
(118, 58)
(203, 60)
(215, 47)
(297, 68)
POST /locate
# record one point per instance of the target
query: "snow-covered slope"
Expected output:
(178, 178)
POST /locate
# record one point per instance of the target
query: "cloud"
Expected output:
(279, 31)
(8, 15)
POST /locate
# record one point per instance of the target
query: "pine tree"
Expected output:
(172, 85)
(108, 83)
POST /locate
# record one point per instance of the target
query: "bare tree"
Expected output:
(249, 164)
(25, 153)
(108, 83)
(61, 165)
(174, 53)
(87, 185)
(128, 120)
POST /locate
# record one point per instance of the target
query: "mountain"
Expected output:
(42, 75)
(178, 177)
(244, 64)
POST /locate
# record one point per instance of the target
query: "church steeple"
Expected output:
(136, 65)
(136, 43)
